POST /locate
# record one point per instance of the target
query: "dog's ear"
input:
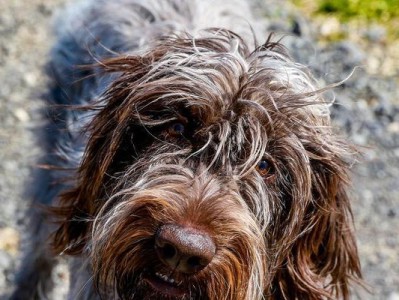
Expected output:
(323, 259)
(106, 144)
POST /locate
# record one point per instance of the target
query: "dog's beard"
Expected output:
(123, 240)
(147, 283)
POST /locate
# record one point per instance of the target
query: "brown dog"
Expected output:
(189, 166)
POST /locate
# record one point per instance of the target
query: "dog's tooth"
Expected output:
(160, 276)
(165, 278)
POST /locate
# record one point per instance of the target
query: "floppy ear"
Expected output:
(106, 144)
(324, 259)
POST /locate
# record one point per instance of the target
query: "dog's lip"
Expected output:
(164, 285)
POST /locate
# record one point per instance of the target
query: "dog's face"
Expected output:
(211, 172)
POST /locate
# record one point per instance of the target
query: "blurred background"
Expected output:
(332, 37)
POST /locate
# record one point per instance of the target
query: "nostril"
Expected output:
(167, 251)
(194, 262)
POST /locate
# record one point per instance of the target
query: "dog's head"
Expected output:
(212, 172)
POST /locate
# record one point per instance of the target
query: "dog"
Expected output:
(183, 160)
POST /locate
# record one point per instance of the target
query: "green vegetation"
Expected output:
(384, 12)
(370, 10)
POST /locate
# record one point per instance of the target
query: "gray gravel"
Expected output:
(366, 109)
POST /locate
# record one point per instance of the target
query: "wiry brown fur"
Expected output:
(160, 131)
(285, 236)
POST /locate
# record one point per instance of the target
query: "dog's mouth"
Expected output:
(165, 284)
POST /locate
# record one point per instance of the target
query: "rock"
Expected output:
(9, 240)
(393, 296)
(393, 128)
(376, 33)
(31, 79)
(6, 263)
(330, 27)
(21, 115)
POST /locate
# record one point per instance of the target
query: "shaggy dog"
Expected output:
(182, 164)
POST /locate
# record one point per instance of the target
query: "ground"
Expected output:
(366, 110)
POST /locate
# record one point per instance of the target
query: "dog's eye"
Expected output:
(176, 129)
(265, 168)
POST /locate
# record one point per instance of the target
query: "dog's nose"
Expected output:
(184, 249)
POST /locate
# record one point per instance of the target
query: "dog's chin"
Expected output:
(151, 284)
(164, 285)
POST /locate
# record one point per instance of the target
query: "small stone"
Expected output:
(21, 115)
(30, 79)
(367, 195)
(5, 260)
(360, 139)
(9, 240)
(393, 127)
(5, 265)
(393, 296)
(376, 34)
(373, 64)
(391, 213)
(330, 26)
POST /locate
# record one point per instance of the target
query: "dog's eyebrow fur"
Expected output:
(184, 73)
